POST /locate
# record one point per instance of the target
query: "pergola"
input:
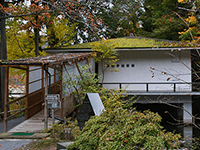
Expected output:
(34, 105)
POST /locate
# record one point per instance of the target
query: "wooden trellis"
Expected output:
(34, 101)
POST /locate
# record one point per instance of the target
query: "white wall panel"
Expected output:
(35, 73)
(135, 66)
(72, 69)
(35, 86)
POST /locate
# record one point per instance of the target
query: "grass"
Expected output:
(131, 43)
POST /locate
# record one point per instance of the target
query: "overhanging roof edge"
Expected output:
(124, 49)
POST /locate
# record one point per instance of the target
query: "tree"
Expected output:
(192, 21)
(82, 12)
(125, 15)
(159, 21)
(3, 55)
(60, 33)
(105, 54)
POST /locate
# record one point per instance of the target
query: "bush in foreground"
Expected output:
(125, 129)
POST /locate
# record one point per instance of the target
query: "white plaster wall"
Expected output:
(51, 71)
(143, 61)
(33, 76)
(72, 69)
(36, 74)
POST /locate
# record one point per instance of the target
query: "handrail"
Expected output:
(22, 110)
(153, 83)
(150, 83)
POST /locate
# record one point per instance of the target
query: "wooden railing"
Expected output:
(34, 103)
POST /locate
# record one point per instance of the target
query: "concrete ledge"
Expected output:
(64, 145)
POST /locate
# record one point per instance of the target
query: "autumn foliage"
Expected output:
(39, 13)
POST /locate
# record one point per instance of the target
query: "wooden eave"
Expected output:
(51, 60)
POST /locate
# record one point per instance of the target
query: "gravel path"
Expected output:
(12, 144)
(12, 123)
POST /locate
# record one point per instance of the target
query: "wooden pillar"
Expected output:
(42, 77)
(6, 98)
(54, 76)
(45, 102)
(61, 91)
(27, 92)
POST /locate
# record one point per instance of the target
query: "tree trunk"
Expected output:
(36, 32)
(3, 56)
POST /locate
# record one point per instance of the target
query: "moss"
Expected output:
(131, 42)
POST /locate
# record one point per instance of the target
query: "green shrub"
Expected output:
(119, 127)
(125, 129)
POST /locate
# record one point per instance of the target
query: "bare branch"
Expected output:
(187, 9)
(28, 14)
(189, 32)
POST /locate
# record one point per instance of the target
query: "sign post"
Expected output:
(53, 102)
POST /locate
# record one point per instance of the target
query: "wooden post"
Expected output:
(6, 99)
(61, 85)
(54, 79)
(45, 102)
(42, 77)
(27, 92)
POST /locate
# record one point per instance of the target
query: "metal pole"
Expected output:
(147, 88)
(174, 87)
(45, 101)
(53, 116)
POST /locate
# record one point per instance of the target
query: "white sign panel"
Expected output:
(96, 103)
(53, 100)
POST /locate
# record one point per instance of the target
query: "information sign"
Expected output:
(53, 100)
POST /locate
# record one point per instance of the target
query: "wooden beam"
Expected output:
(27, 91)
(1, 65)
(22, 110)
(19, 67)
(11, 111)
(54, 67)
(6, 98)
(10, 102)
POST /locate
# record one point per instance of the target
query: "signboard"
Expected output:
(53, 100)
(96, 103)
